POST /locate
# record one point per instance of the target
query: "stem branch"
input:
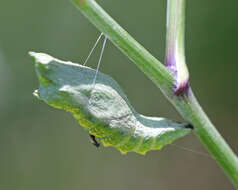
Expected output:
(175, 53)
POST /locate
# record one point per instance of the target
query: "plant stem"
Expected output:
(186, 104)
(175, 53)
(157, 72)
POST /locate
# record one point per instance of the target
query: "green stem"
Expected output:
(191, 111)
(186, 104)
(157, 72)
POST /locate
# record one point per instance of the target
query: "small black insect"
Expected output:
(189, 126)
(94, 141)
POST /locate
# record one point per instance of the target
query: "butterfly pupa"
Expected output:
(103, 108)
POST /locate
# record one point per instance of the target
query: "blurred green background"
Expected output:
(44, 148)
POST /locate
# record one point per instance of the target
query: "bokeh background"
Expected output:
(44, 148)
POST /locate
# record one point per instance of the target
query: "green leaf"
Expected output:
(102, 108)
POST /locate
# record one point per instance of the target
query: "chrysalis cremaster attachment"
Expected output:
(103, 109)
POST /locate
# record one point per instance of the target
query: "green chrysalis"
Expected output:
(102, 108)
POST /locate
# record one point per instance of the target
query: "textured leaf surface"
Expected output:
(103, 109)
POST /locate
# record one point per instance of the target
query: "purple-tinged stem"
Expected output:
(175, 55)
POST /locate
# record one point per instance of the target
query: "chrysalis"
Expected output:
(102, 108)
